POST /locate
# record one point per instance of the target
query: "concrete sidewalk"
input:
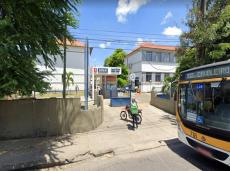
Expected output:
(113, 137)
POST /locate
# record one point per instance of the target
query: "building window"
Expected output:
(158, 77)
(130, 66)
(158, 57)
(154, 58)
(172, 58)
(148, 56)
(148, 77)
(166, 57)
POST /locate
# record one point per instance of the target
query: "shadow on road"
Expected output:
(130, 127)
(127, 120)
(170, 118)
(193, 157)
(31, 154)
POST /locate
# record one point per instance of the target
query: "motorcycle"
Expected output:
(126, 112)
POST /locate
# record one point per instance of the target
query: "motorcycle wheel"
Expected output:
(139, 119)
(123, 115)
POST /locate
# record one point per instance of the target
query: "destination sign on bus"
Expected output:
(209, 72)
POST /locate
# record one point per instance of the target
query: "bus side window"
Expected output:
(182, 101)
(175, 95)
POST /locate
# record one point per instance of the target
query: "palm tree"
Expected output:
(69, 79)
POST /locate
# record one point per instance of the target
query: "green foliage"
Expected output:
(167, 84)
(208, 39)
(186, 59)
(21, 76)
(69, 79)
(30, 29)
(117, 60)
(122, 82)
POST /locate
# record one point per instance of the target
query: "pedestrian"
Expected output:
(134, 111)
(99, 90)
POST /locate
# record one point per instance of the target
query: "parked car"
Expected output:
(129, 88)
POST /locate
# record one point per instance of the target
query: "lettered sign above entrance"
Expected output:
(107, 70)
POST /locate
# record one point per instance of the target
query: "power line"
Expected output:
(117, 40)
(110, 48)
(118, 43)
(127, 41)
(96, 47)
(123, 32)
(104, 35)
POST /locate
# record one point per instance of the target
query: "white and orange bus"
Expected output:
(203, 110)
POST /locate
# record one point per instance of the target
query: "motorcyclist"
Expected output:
(134, 111)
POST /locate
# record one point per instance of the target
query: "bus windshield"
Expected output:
(206, 104)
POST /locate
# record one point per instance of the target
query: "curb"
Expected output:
(131, 148)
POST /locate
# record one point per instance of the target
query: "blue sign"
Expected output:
(199, 86)
(200, 120)
(102, 70)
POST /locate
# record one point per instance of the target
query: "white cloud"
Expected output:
(166, 17)
(105, 45)
(141, 40)
(126, 7)
(108, 44)
(172, 31)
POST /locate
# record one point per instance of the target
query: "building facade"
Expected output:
(75, 54)
(151, 64)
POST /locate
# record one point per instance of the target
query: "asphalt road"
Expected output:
(156, 126)
(175, 156)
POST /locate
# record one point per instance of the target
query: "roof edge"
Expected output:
(152, 46)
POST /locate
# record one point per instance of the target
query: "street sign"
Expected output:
(132, 77)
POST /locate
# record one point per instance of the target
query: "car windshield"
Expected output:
(206, 104)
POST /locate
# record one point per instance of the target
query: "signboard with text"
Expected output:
(102, 70)
(210, 72)
(107, 70)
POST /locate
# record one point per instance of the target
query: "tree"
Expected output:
(69, 79)
(167, 84)
(117, 60)
(30, 29)
(208, 38)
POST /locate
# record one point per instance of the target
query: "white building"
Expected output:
(151, 64)
(75, 54)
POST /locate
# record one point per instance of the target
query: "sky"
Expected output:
(111, 24)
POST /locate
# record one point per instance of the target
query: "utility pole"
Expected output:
(92, 70)
(64, 67)
(86, 73)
